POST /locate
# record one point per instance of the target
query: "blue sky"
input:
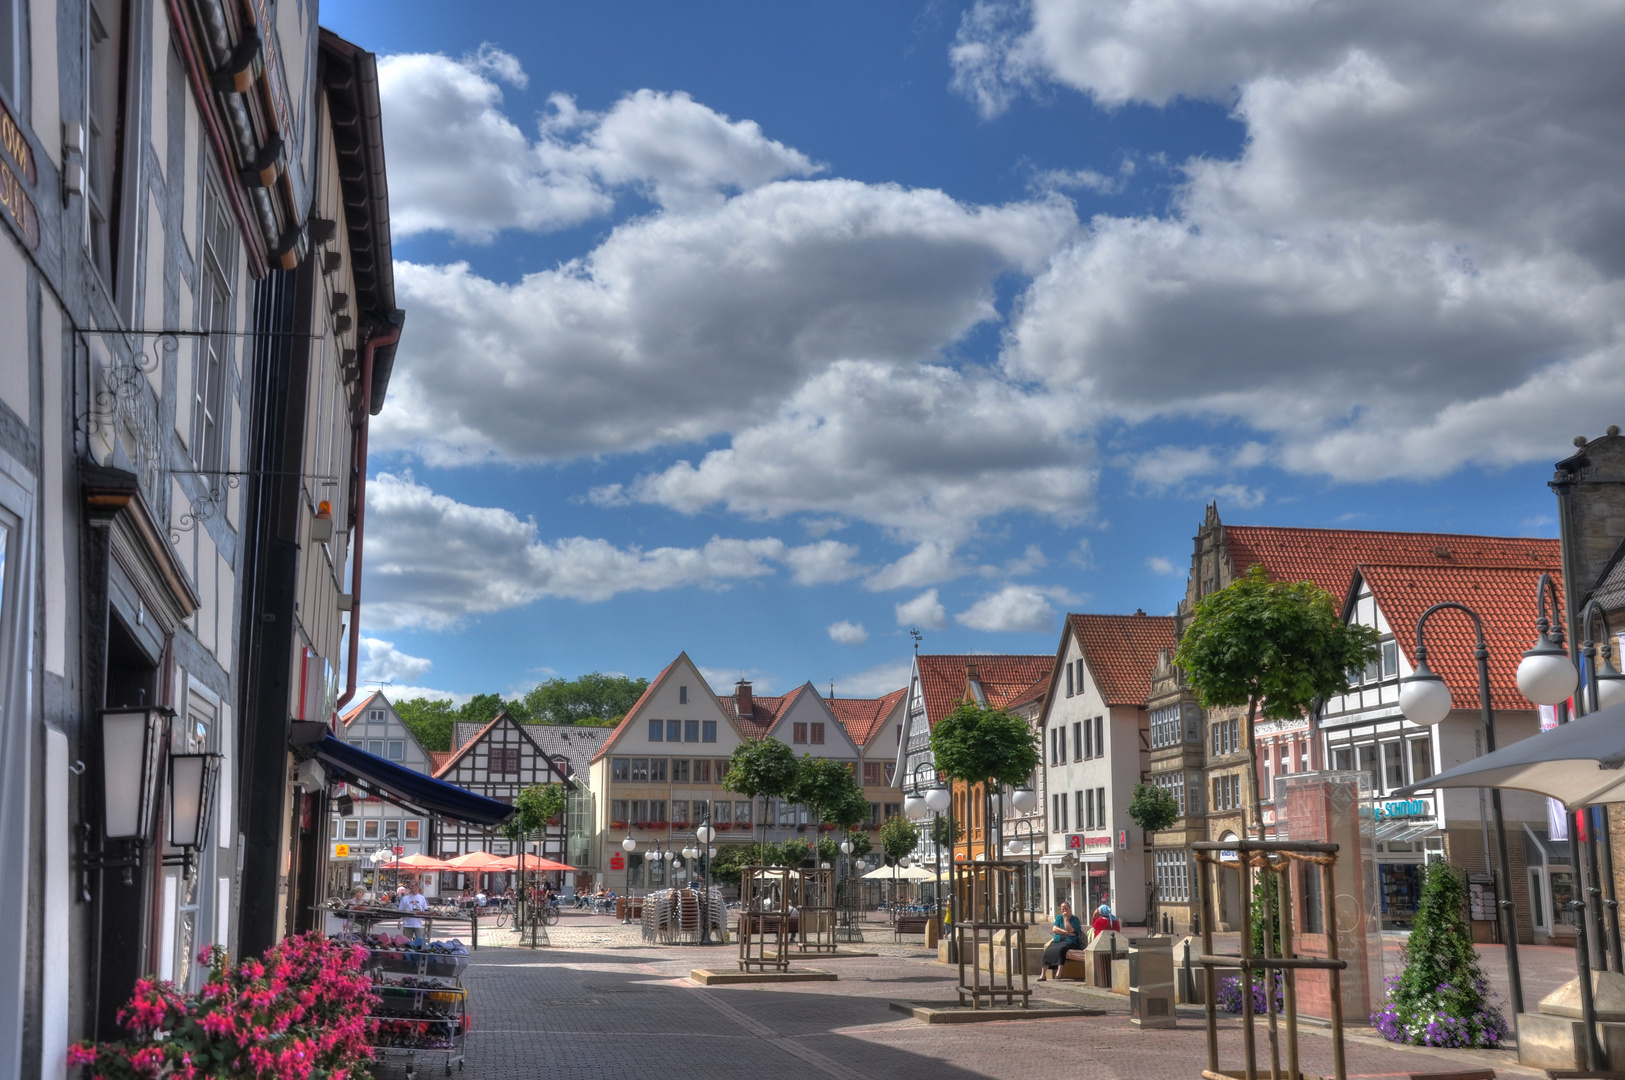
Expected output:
(736, 328)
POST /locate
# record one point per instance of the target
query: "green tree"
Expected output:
(1152, 808)
(483, 708)
(793, 853)
(1270, 645)
(1442, 997)
(861, 844)
(898, 836)
(534, 807)
(828, 787)
(762, 768)
(946, 832)
(731, 859)
(975, 744)
(430, 720)
(593, 699)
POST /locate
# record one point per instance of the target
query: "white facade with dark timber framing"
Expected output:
(499, 762)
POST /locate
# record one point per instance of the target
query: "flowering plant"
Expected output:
(297, 1015)
(1229, 996)
(1442, 997)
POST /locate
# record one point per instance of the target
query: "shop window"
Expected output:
(414, 829)
(657, 731)
(621, 769)
(352, 828)
(369, 830)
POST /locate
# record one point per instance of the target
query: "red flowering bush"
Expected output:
(297, 1015)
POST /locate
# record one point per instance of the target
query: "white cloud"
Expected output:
(396, 692)
(823, 562)
(382, 662)
(1014, 608)
(722, 680)
(848, 633)
(930, 561)
(875, 682)
(431, 560)
(1415, 264)
(1159, 565)
(924, 611)
(1027, 562)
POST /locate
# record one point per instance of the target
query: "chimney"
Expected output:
(742, 700)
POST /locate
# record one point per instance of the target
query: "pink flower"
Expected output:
(81, 1054)
(216, 1024)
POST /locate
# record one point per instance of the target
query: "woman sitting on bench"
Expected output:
(1068, 934)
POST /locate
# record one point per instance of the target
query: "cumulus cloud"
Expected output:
(1159, 565)
(1014, 608)
(924, 611)
(382, 662)
(930, 561)
(432, 560)
(823, 562)
(441, 113)
(1415, 264)
(847, 633)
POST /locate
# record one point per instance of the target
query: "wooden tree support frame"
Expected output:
(766, 894)
(989, 908)
(816, 909)
(1274, 857)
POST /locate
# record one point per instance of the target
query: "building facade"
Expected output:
(1177, 737)
(363, 824)
(499, 760)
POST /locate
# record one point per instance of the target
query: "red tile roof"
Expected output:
(944, 679)
(437, 759)
(1328, 556)
(1033, 693)
(355, 712)
(627, 719)
(764, 713)
(1503, 596)
(1121, 651)
(863, 717)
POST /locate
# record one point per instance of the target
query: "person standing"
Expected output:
(1067, 933)
(413, 901)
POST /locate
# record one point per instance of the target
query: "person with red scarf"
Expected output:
(1104, 920)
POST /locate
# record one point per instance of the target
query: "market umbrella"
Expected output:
(887, 873)
(1580, 763)
(477, 862)
(419, 862)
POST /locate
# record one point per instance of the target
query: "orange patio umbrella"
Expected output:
(476, 862)
(419, 862)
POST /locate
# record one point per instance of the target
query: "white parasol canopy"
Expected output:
(887, 873)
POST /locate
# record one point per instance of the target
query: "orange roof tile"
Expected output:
(863, 717)
(1037, 690)
(636, 705)
(765, 711)
(944, 679)
(1121, 651)
(1328, 556)
(438, 758)
(1503, 596)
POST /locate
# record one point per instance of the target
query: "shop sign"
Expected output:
(1122, 839)
(617, 861)
(341, 851)
(1080, 842)
(1404, 808)
(18, 206)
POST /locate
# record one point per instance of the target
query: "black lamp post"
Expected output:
(1014, 847)
(1605, 686)
(934, 799)
(1425, 700)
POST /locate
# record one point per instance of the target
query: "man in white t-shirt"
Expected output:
(413, 901)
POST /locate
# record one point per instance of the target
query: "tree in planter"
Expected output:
(898, 837)
(828, 787)
(1442, 997)
(978, 745)
(762, 768)
(534, 807)
(1270, 645)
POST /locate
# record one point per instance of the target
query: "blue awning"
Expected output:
(351, 764)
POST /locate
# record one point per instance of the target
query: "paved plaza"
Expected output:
(600, 1003)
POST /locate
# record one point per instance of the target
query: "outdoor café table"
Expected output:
(370, 916)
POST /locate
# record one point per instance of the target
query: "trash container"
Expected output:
(1151, 982)
(1108, 945)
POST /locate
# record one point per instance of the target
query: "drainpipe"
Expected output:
(388, 337)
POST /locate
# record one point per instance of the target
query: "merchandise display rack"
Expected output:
(423, 1007)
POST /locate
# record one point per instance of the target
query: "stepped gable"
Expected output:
(1121, 651)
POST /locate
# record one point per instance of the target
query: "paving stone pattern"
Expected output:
(600, 1004)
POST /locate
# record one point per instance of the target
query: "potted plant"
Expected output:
(617, 825)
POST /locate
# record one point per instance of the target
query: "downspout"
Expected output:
(388, 337)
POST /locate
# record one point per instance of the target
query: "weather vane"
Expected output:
(914, 632)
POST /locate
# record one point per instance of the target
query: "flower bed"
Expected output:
(298, 1013)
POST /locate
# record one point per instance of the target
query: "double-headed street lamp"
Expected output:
(1425, 700)
(702, 852)
(933, 799)
(1014, 847)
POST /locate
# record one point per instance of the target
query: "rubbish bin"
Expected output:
(1107, 946)
(1151, 983)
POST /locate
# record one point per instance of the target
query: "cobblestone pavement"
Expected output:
(599, 1003)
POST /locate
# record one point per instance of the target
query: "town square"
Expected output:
(959, 538)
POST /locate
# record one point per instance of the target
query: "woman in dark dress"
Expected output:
(1068, 934)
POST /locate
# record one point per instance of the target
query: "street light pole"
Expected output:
(1604, 686)
(1424, 699)
(703, 835)
(934, 799)
(1032, 842)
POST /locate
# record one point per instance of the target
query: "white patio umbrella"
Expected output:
(901, 873)
(1581, 763)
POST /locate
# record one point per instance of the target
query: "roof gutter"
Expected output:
(359, 456)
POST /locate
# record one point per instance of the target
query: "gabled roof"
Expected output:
(648, 692)
(575, 743)
(1503, 596)
(863, 718)
(437, 758)
(355, 712)
(945, 678)
(765, 712)
(457, 755)
(1033, 693)
(1327, 556)
(1121, 651)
